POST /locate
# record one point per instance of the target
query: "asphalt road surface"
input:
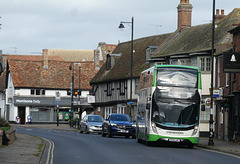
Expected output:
(66, 147)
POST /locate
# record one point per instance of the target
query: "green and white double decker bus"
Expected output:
(169, 105)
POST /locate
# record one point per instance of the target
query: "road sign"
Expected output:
(58, 96)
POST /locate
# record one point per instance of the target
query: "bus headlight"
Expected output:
(195, 130)
(154, 127)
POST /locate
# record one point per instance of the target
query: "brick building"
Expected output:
(228, 83)
(31, 83)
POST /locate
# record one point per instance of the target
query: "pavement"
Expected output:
(29, 149)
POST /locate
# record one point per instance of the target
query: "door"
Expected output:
(22, 114)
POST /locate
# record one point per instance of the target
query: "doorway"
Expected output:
(22, 114)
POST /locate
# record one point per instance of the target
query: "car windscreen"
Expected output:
(95, 119)
(120, 118)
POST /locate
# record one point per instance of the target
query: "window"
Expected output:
(161, 63)
(205, 64)
(137, 86)
(108, 62)
(218, 72)
(109, 89)
(121, 109)
(227, 75)
(184, 62)
(108, 111)
(122, 87)
(32, 92)
(37, 92)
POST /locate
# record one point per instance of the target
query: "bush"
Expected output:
(4, 123)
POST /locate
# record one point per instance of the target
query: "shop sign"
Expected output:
(91, 99)
(28, 101)
(231, 62)
(207, 102)
(40, 101)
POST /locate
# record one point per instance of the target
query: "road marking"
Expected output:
(50, 151)
(224, 153)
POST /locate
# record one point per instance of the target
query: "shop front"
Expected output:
(41, 109)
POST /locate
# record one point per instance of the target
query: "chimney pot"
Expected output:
(222, 12)
(217, 12)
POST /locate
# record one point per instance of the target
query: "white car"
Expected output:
(91, 123)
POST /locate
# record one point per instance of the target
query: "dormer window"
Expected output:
(108, 62)
(149, 51)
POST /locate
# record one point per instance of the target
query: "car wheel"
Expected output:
(109, 133)
(103, 134)
(86, 130)
(127, 136)
(139, 140)
(81, 130)
(133, 137)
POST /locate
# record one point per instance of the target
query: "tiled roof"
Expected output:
(121, 69)
(199, 38)
(31, 74)
(33, 57)
(30, 57)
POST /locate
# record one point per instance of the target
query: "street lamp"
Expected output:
(211, 134)
(71, 67)
(121, 26)
(79, 94)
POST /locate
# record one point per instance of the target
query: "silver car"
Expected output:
(91, 123)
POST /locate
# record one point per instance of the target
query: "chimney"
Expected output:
(222, 12)
(184, 14)
(45, 58)
(218, 16)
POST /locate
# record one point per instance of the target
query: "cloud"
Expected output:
(31, 25)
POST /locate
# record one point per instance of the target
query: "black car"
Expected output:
(119, 125)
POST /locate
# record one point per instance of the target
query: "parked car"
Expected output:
(119, 125)
(91, 123)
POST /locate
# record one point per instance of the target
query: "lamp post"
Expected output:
(211, 133)
(121, 26)
(71, 67)
(79, 94)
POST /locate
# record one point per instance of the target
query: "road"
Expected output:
(72, 147)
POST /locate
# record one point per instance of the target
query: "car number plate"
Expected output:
(124, 131)
(174, 140)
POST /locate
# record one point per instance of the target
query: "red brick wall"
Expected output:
(184, 14)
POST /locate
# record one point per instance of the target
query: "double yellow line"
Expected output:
(50, 151)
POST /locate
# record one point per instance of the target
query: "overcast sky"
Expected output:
(28, 26)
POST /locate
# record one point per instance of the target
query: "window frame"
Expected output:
(122, 87)
(205, 64)
(109, 89)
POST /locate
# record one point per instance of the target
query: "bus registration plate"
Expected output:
(174, 140)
